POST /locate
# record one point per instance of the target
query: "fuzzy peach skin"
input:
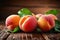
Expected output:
(46, 22)
(28, 23)
(53, 16)
(12, 21)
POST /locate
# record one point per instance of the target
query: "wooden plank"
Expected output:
(29, 36)
(45, 36)
(10, 37)
(25, 36)
(29, 3)
(3, 35)
(14, 10)
(53, 36)
(37, 37)
(6, 11)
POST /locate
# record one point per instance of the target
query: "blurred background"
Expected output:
(8, 7)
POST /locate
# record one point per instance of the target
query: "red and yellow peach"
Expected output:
(28, 23)
(46, 22)
(12, 21)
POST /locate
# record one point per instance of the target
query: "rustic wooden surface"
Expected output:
(26, 36)
(8, 7)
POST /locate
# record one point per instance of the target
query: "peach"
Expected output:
(28, 23)
(12, 21)
(46, 22)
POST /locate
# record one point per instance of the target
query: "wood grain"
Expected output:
(27, 36)
(6, 11)
(19, 3)
(8, 7)
(53, 36)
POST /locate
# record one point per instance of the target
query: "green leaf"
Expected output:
(38, 30)
(24, 11)
(55, 12)
(57, 26)
(16, 30)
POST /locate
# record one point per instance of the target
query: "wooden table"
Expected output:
(26, 36)
(8, 7)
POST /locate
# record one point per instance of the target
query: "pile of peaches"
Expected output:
(29, 23)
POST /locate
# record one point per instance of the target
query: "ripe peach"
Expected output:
(12, 21)
(46, 23)
(28, 23)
